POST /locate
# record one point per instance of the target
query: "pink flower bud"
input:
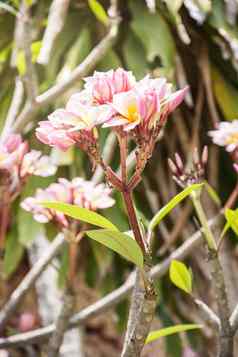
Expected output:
(27, 322)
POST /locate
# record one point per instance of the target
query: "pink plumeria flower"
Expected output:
(35, 163)
(92, 196)
(12, 151)
(104, 85)
(146, 105)
(19, 163)
(226, 135)
(68, 126)
(80, 192)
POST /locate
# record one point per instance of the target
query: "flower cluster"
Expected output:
(111, 99)
(79, 192)
(226, 135)
(195, 174)
(17, 163)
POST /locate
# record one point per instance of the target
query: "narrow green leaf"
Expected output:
(181, 276)
(35, 50)
(21, 63)
(212, 193)
(172, 203)
(232, 220)
(154, 33)
(81, 214)
(120, 243)
(98, 11)
(8, 8)
(154, 335)
(13, 253)
(28, 228)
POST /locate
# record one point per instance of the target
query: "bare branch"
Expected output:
(30, 279)
(61, 323)
(14, 107)
(208, 314)
(29, 77)
(56, 19)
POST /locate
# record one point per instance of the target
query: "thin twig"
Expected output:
(29, 77)
(62, 323)
(56, 19)
(14, 107)
(30, 279)
(208, 315)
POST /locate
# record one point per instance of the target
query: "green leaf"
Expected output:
(174, 5)
(154, 335)
(135, 56)
(226, 95)
(181, 276)
(35, 50)
(28, 228)
(13, 253)
(98, 11)
(232, 221)
(81, 214)
(8, 8)
(120, 243)
(109, 61)
(212, 193)
(172, 203)
(154, 33)
(21, 63)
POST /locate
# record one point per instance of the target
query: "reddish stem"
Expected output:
(123, 154)
(232, 198)
(133, 219)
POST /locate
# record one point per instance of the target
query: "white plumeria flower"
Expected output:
(35, 164)
(226, 135)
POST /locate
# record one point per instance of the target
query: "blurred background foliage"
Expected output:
(192, 42)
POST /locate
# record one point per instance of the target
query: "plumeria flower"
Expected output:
(104, 85)
(79, 192)
(146, 106)
(112, 99)
(73, 124)
(18, 163)
(12, 151)
(226, 135)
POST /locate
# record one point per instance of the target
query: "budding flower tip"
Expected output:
(235, 167)
(205, 155)
(172, 166)
(196, 159)
(179, 161)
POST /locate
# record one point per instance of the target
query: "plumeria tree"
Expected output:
(133, 171)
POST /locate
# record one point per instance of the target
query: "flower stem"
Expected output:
(195, 196)
(123, 154)
(218, 280)
(133, 219)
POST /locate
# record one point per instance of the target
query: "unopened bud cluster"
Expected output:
(195, 174)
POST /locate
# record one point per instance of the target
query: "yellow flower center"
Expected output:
(132, 113)
(232, 139)
(2, 156)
